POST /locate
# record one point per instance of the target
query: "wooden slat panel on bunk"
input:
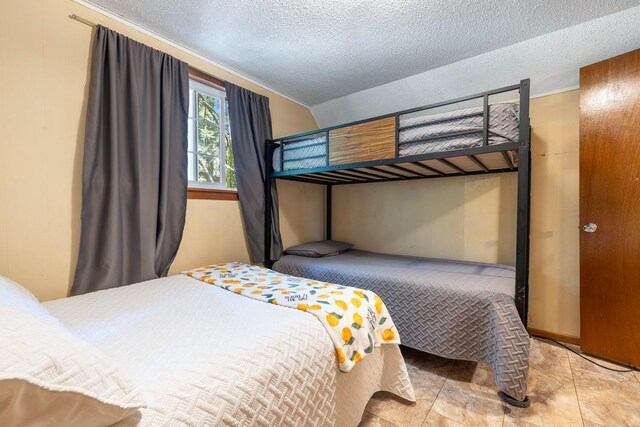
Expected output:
(372, 140)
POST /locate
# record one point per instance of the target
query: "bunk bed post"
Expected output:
(327, 218)
(397, 136)
(267, 203)
(523, 213)
(485, 120)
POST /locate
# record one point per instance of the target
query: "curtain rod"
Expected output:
(80, 19)
(93, 24)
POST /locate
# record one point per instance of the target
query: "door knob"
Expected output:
(590, 227)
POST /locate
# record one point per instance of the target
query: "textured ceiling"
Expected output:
(315, 51)
(552, 62)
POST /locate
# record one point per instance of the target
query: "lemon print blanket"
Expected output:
(356, 319)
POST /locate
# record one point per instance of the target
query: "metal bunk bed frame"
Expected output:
(346, 174)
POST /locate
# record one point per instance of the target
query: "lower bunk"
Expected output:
(454, 309)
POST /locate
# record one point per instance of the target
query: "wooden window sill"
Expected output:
(211, 194)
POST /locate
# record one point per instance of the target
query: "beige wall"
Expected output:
(43, 76)
(470, 218)
(214, 233)
(473, 218)
(555, 223)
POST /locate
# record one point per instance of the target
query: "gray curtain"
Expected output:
(250, 120)
(134, 176)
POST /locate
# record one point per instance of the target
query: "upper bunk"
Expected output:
(476, 134)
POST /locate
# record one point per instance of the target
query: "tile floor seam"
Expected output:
(575, 387)
(442, 416)
(384, 419)
(421, 423)
(434, 402)
(504, 410)
(504, 405)
(504, 413)
(436, 398)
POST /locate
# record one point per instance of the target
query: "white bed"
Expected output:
(203, 356)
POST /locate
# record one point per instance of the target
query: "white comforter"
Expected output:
(203, 356)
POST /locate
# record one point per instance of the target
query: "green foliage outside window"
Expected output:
(208, 141)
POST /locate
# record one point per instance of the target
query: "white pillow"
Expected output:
(14, 295)
(48, 376)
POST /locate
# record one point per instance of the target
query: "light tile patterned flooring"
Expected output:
(565, 390)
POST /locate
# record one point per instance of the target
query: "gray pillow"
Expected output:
(319, 249)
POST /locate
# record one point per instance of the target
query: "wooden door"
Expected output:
(610, 208)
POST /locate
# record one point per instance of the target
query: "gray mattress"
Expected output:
(458, 310)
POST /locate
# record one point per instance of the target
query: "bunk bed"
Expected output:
(455, 309)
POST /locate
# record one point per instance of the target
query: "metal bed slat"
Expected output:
(369, 174)
(349, 174)
(429, 168)
(344, 176)
(477, 161)
(377, 175)
(507, 160)
(321, 175)
(341, 176)
(451, 165)
(387, 172)
(403, 169)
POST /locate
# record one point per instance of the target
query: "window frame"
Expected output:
(209, 85)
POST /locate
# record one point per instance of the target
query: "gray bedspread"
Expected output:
(454, 309)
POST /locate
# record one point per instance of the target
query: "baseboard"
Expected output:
(569, 339)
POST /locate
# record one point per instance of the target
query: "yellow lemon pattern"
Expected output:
(346, 335)
(341, 304)
(356, 320)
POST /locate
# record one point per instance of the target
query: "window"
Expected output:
(209, 149)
